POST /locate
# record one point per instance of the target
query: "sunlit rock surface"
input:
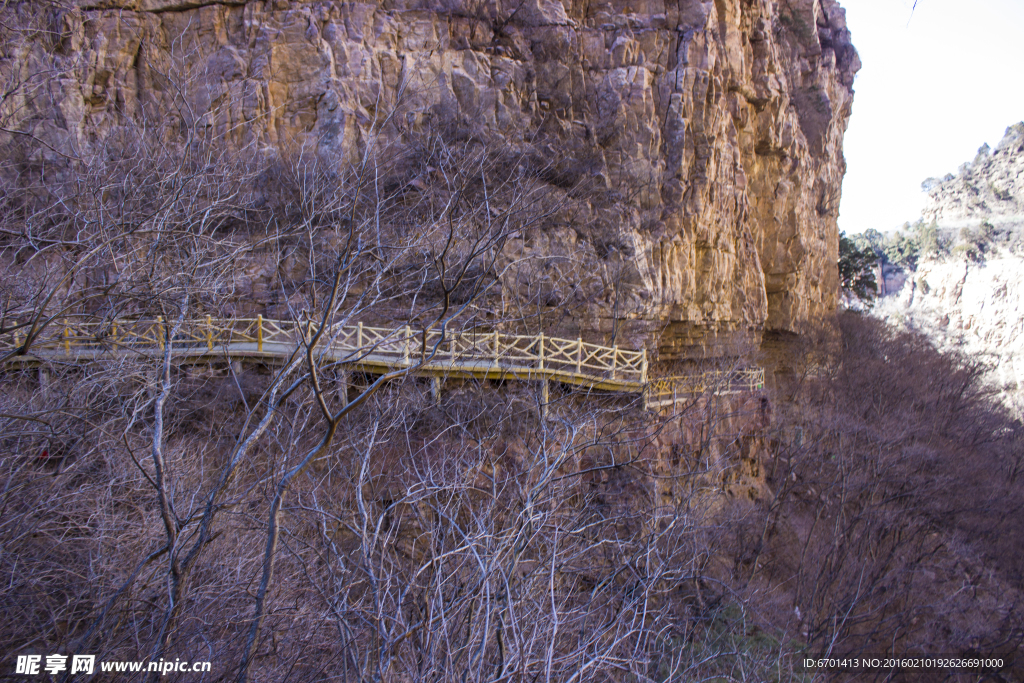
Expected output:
(988, 190)
(977, 308)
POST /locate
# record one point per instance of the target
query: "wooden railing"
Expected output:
(671, 390)
(475, 352)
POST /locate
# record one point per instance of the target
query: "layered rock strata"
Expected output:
(709, 133)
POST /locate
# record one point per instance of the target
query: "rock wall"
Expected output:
(711, 132)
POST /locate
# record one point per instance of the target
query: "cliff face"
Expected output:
(711, 131)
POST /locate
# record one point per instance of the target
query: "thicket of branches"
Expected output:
(468, 540)
(894, 525)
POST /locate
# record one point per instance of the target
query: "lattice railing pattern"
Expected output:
(478, 349)
(402, 345)
(679, 387)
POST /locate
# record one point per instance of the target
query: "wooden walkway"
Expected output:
(376, 350)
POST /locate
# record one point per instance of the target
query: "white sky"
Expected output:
(935, 85)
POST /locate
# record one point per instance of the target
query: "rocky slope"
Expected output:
(988, 190)
(968, 296)
(973, 307)
(712, 131)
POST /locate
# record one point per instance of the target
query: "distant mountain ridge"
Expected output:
(988, 189)
(968, 293)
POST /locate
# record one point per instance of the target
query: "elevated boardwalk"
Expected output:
(376, 350)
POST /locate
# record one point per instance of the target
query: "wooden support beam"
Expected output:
(342, 387)
(435, 389)
(544, 398)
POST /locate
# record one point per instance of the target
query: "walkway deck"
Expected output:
(375, 350)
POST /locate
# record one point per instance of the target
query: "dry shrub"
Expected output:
(894, 526)
(468, 540)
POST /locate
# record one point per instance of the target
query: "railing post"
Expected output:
(160, 331)
(495, 348)
(359, 336)
(405, 346)
(67, 338)
(209, 333)
(259, 333)
(540, 351)
(615, 357)
(579, 355)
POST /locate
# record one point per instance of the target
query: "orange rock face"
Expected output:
(709, 134)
